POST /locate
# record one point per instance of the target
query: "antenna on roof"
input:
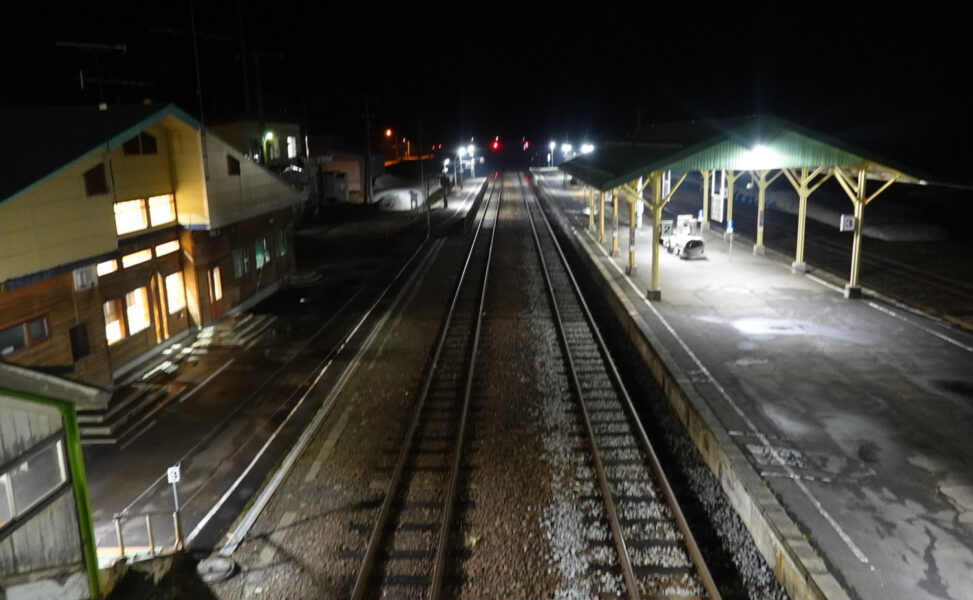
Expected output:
(96, 49)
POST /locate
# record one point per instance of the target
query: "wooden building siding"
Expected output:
(211, 251)
(142, 175)
(64, 308)
(50, 539)
(23, 425)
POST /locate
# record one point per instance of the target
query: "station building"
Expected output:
(125, 228)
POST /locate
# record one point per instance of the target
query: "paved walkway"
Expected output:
(857, 414)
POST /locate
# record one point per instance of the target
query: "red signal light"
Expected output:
(495, 145)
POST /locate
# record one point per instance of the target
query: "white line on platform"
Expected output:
(205, 381)
(941, 336)
(743, 416)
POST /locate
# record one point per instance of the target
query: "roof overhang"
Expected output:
(751, 144)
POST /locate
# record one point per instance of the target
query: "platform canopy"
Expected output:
(754, 143)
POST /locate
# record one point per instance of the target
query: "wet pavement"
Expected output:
(856, 414)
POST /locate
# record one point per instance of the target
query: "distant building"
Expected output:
(275, 142)
(124, 228)
(46, 539)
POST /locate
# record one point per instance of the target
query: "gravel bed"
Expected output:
(730, 553)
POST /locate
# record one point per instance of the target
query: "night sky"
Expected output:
(897, 82)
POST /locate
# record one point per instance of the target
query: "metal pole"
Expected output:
(801, 220)
(177, 527)
(705, 223)
(631, 237)
(856, 247)
(761, 202)
(730, 180)
(601, 216)
(614, 251)
(118, 535)
(591, 209)
(148, 530)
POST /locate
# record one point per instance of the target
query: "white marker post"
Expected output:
(173, 475)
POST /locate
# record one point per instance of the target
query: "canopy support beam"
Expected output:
(760, 178)
(857, 192)
(800, 181)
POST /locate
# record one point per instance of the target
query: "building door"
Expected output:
(216, 306)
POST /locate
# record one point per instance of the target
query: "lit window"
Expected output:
(95, 182)
(30, 481)
(215, 285)
(291, 146)
(260, 250)
(241, 264)
(130, 216)
(167, 248)
(114, 324)
(135, 258)
(162, 209)
(175, 292)
(104, 268)
(137, 310)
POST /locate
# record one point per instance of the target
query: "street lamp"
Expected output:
(550, 157)
(586, 148)
(566, 149)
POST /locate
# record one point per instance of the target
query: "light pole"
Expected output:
(462, 153)
(470, 149)
(550, 157)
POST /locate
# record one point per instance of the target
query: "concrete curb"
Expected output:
(796, 565)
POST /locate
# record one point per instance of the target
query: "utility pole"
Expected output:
(368, 153)
(199, 92)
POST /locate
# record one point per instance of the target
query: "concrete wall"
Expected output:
(254, 191)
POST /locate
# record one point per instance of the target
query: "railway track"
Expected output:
(636, 533)
(654, 550)
(407, 553)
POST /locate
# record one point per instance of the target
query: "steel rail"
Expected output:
(691, 546)
(624, 560)
(378, 532)
(439, 573)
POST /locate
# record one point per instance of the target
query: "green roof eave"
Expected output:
(758, 143)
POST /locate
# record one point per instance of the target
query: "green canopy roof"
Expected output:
(750, 143)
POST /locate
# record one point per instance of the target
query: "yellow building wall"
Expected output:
(142, 175)
(55, 223)
(254, 191)
(188, 180)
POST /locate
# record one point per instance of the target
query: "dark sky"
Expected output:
(899, 80)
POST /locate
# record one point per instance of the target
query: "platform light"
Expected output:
(269, 135)
(461, 152)
(759, 157)
(587, 148)
(469, 149)
(565, 148)
(446, 162)
(388, 133)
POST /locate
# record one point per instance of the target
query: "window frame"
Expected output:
(182, 292)
(215, 284)
(122, 325)
(8, 488)
(27, 335)
(146, 309)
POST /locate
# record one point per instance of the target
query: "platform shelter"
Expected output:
(761, 147)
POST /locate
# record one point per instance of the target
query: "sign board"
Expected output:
(716, 209)
(847, 223)
(85, 278)
(172, 474)
(665, 228)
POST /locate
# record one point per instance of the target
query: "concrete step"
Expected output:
(112, 425)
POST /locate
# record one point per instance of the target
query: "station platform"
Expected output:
(840, 429)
